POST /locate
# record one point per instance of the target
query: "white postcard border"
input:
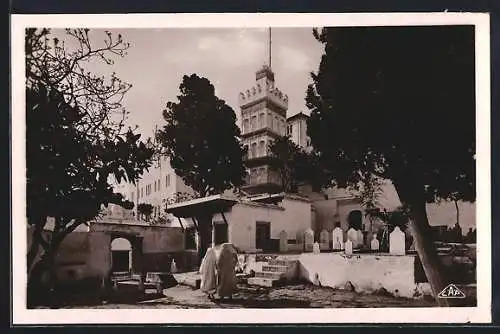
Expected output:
(479, 314)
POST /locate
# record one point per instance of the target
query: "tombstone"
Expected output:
(283, 242)
(397, 242)
(316, 248)
(324, 240)
(352, 235)
(300, 240)
(348, 247)
(173, 267)
(360, 239)
(338, 239)
(374, 244)
(308, 240)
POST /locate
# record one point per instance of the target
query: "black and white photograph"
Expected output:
(334, 167)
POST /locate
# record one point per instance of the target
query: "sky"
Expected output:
(158, 58)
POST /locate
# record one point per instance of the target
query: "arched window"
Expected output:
(245, 147)
(254, 150)
(245, 125)
(253, 123)
(261, 120)
(262, 148)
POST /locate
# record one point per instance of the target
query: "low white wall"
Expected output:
(366, 272)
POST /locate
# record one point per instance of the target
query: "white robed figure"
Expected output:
(226, 270)
(208, 271)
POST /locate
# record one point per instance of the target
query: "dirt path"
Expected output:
(293, 296)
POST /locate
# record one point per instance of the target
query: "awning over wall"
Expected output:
(206, 205)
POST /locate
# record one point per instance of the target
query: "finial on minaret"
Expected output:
(270, 49)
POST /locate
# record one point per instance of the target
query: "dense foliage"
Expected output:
(398, 103)
(201, 139)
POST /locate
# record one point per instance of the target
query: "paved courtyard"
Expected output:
(291, 296)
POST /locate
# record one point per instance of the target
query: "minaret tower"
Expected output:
(263, 115)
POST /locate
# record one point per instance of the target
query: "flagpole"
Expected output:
(270, 49)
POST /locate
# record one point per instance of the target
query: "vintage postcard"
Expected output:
(314, 168)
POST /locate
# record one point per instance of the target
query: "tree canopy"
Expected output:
(290, 161)
(398, 103)
(406, 112)
(76, 139)
(202, 139)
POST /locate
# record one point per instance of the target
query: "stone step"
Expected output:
(266, 282)
(275, 268)
(190, 279)
(269, 274)
(281, 262)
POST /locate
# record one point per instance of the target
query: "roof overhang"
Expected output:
(202, 206)
(267, 198)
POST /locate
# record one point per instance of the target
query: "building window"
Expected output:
(245, 125)
(254, 150)
(220, 233)
(262, 148)
(282, 127)
(132, 196)
(270, 120)
(262, 175)
(276, 124)
(167, 180)
(155, 185)
(142, 193)
(158, 184)
(253, 124)
(261, 121)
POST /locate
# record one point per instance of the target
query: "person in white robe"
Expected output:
(208, 271)
(226, 271)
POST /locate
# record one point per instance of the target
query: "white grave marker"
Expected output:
(173, 267)
(397, 242)
(308, 240)
(352, 235)
(348, 247)
(338, 239)
(283, 242)
(360, 239)
(374, 245)
(316, 249)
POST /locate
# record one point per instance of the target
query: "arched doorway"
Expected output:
(355, 220)
(121, 255)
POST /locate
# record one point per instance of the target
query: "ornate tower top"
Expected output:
(264, 88)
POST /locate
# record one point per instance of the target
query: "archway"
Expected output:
(121, 255)
(355, 220)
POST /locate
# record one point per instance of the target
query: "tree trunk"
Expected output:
(412, 196)
(33, 251)
(204, 234)
(36, 290)
(458, 212)
(427, 252)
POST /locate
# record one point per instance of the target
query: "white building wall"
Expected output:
(297, 217)
(291, 216)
